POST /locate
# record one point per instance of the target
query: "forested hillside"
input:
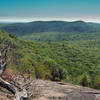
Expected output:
(75, 62)
(21, 29)
(53, 31)
(61, 37)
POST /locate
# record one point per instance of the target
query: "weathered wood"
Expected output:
(19, 92)
(8, 86)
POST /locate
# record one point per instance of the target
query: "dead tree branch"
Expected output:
(19, 92)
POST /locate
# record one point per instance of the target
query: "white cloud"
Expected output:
(87, 19)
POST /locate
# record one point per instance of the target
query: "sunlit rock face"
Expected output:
(47, 90)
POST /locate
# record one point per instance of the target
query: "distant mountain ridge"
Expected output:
(21, 29)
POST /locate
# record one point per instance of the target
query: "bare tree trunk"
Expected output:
(19, 92)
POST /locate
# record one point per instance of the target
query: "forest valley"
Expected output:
(75, 61)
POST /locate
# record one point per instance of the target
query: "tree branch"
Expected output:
(19, 92)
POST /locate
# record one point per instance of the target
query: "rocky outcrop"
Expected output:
(47, 90)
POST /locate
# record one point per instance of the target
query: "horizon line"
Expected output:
(25, 20)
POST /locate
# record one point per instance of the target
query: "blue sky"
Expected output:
(27, 10)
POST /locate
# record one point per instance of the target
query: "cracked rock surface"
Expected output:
(47, 90)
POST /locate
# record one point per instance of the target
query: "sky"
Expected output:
(32, 10)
